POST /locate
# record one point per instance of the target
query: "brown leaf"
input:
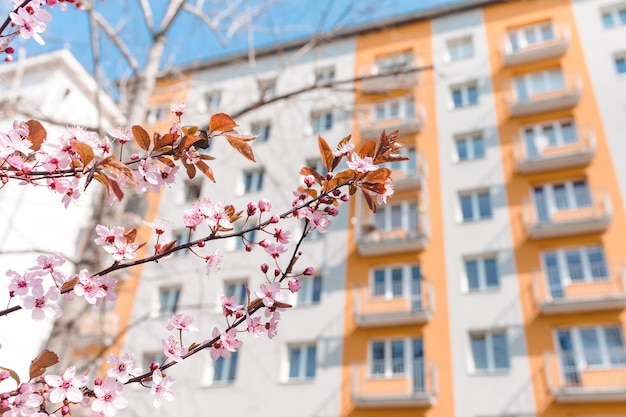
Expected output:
(168, 246)
(236, 216)
(208, 172)
(117, 190)
(257, 302)
(38, 365)
(191, 170)
(206, 157)
(326, 152)
(279, 304)
(221, 122)
(245, 138)
(370, 201)
(118, 170)
(69, 284)
(130, 236)
(167, 161)
(339, 179)
(36, 134)
(379, 176)
(161, 142)
(368, 149)
(310, 171)
(84, 151)
(12, 374)
(190, 130)
(241, 146)
(141, 137)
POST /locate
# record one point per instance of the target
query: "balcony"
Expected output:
(374, 241)
(395, 308)
(540, 157)
(416, 388)
(530, 52)
(547, 222)
(396, 72)
(605, 291)
(565, 94)
(572, 379)
(406, 119)
(409, 174)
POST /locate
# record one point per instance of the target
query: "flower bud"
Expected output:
(251, 208)
(264, 205)
(337, 192)
(4, 403)
(134, 157)
(201, 244)
(248, 247)
(65, 410)
(345, 197)
(309, 271)
(274, 219)
(9, 50)
(5, 395)
(309, 180)
(276, 272)
(97, 381)
(264, 268)
(329, 175)
(264, 243)
(154, 366)
(294, 284)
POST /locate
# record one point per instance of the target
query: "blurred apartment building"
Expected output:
(492, 284)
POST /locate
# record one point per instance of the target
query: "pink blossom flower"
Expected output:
(272, 326)
(264, 205)
(217, 349)
(122, 135)
(282, 236)
(42, 304)
(255, 327)
(251, 208)
(178, 109)
(192, 218)
(294, 284)
(26, 402)
(160, 226)
(109, 285)
(20, 284)
(173, 349)
(14, 141)
(275, 250)
(124, 367)
(230, 306)
(89, 287)
(47, 263)
(121, 250)
(344, 150)
(161, 388)
(318, 220)
(382, 198)
(108, 399)
(107, 235)
(182, 322)
(362, 165)
(68, 386)
(72, 192)
(229, 340)
(270, 293)
(215, 214)
(192, 156)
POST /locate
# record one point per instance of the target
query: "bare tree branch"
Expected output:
(147, 14)
(173, 9)
(117, 41)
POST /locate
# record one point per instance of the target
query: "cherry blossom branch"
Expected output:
(8, 19)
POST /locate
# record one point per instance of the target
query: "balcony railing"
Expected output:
(407, 385)
(412, 305)
(604, 290)
(545, 222)
(556, 99)
(409, 121)
(409, 174)
(373, 241)
(590, 376)
(550, 48)
(401, 77)
(540, 156)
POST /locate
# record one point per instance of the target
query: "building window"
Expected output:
(237, 289)
(460, 48)
(620, 64)
(153, 357)
(470, 147)
(157, 113)
(482, 274)
(396, 282)
(324, 75)
(403, 108)
(615, 16)
(394, 63)
(322, 121)
(546, 135)
(465, 95)
(212, 100)
(407, 167)
(397, 216)
(247, 238)
(262, 129)
(192, 190)
(253, 180)
(527, 36)
(168, 301)
(539, 82)
(224, 369)
(393, 357)
(302, 362)
(311, 291)
(267, 88)
(555, 197)
(475, 206)
(490, 352)
(182, 237)
(576, 264)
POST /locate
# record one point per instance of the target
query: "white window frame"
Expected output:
(397, 62)
(551, 197)
(474, 196)
(459, 49)
(157, 113)
(620, 57)
(304, 297)
(256, 181)
(470, 142)
(465, 96)
(212, 99)
(579, 349)
(181, 236)
(482, 273)
(407, 273)
(563, 267)
(400, 108)
(539, 136)
(239, 243)
(613, 11)
(408, 167)
(522, 39)
(405, 210)
(550, 79)
(162, 311)
(489, 351)
(407, 359)
(302, 363)
(238, 289)
(192, 190)
(263, 129)
(325, 75)
(319, 121)
(267, 88)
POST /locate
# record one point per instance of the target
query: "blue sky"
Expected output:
(191, 41)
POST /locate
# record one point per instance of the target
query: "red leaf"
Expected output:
(36, 134)
(206, 170)
(326, 152)
(221, 122)
(241, 146)
(38, 365)
(141, 137)
(368, 149)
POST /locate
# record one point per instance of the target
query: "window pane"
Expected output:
(591, 346)
(620, 65)
(379, 282)
(317, 289)
(378, 358)
(622, 16)
(396, 282)
(574, 265)
(597, 263)
(479, 352)
(484, 205)
(548, 131)
(472, 94)
(607, 19)
(310, 362)
(581, 194)
(471, 270)
(396, 217)
(219, 369)
(615, 344)
(478, 147)
(491, 273)
(294, 362)
(500, 351)
(546, 32)
(233, 366)
(413, 217)
(461, 150)
(457, 98)
(397, 356)
(560, 197)
(379, 219)
(569, 133)
(466, 207)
